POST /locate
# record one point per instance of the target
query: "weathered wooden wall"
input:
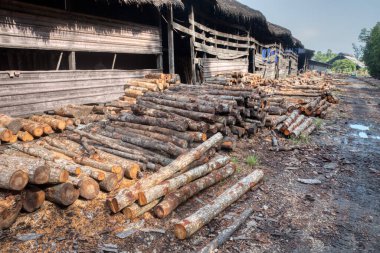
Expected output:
(214, 66)
(38, 91)
(50, 29)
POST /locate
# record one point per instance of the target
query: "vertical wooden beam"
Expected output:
(171, 41)
(72, 61)
(59, 61)
(114, 61)
(192, 48)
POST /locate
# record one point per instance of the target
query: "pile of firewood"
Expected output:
(137, 87)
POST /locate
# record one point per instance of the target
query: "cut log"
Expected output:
(227, 232)
(35, 150)
(56, 124)
(109, 183)
(24, 136)
(62, 164)
(165, 138)
(194, 222)
(96, 174)
(126, 197)
(10, 206)
(298, 121)
(133, 157)
(292, 117)
(133, 211)
(272, 110)
(33, 199)
(302, 127)
(114, 168)
(74, 111)
(170, 185)
(151, 121)
(32, 127)
(308, 130)
(13, 178)
(88, 187)
(5, 134)
(229, 143)
(38, 171)
(68, 121)
(174, 199)
(133, 93)
(131, 169)
(12, 124)
(62, 194)
(58, 175)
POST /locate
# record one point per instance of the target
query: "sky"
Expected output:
(321, 24)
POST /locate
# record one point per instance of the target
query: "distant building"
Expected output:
(319, 66)
(342, 56)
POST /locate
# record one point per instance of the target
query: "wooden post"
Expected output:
(192, 48)
(171, 41)
(72, 61)
(114, 61)
(59, 61)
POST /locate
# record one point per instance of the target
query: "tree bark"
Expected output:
(298, 130)
(88, 187)
(10, 206)
(194, 222)
(160, 137)
(298, 121)
(12, 178)
(138, 158)
(226, 233)
(38, 171)
(109, 183)
(33, 199)
(62, 164)
(58, 175)
(292, 117)
(134, 210)
(62, 194)
(188, 135)
(308, 130)
(13, 124)
(151, 121)
(174, 199)
(68, 121)
(35, 150)
(74, 111)
(126, 197)
(155, 192)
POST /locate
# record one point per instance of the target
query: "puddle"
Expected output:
(359, 127)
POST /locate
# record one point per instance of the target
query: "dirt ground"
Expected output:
(339, 215)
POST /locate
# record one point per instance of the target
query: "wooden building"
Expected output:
(215, 36)
(56, 52)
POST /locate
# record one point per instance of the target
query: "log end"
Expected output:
(142, 199)
(159, 211)
(64, 177)
(41, 175)
(61, 125)
(204, 137)
(109, 183)
(89, 188)
(180, 231)
(13, 139)
(117, 169)
(18, 180)
(38, 132)
(48, 130)
(127, 213)
(77, 171)
(34, 198)
(113, 205)
(68, 194)
(132, 172)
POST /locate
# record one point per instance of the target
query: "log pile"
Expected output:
(138, 87)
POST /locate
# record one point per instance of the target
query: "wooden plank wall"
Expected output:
(214, 66)
(38, 91)
(50, 29)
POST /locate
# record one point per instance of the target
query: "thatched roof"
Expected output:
(278, 31)
(157, 3)
(236, 9)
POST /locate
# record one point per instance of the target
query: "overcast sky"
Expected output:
(321, 24)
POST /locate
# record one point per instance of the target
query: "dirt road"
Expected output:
(339, 215)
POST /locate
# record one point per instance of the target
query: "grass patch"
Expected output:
(300, 140)
(318, 123)
(234, 160)
(252, 160)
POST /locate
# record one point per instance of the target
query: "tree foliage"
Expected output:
(324, 57)
(344, 66)
(371, 51)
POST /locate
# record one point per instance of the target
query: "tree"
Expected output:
(344, 66)
(371, 52)
(324, 57)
